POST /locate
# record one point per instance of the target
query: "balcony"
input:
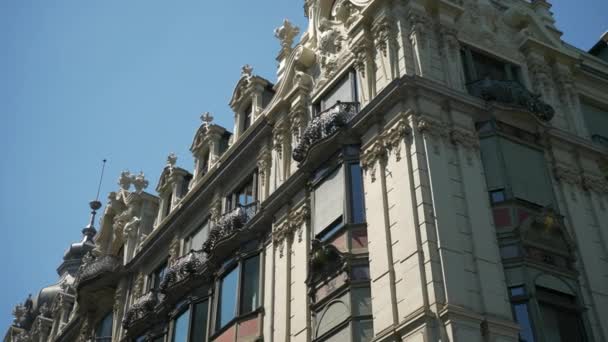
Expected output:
(323, 126)
(94, 269)
(182, 273)
(142, 308)
(511, 93)
(229, 224)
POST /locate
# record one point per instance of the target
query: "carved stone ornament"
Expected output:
(419, 28)
(466, 139)
(127, 179)
(372, 157)
(174, 249)
(362, 53)
(23, 336)
(567, 175)
(279, 136)
(394, 137)
(330, 44)
(383, 32)
(246, 71)
(346, 12)
(293, 223)
(595, 184)
(286, 34)
(432, 127)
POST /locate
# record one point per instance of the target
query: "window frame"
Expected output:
(229, 266)
(162, 267)
(189, 305)
(503, 131)
(512, 69)
(187, 244)
(99, 326)
(346, 221)
(231, 200)
(350, 76)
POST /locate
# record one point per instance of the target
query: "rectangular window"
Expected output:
(515, 170)
(226, 310)
(596, 119)
(345, 90)
(247, 117)
(519, 305)
(196, 240)
(479, 66)
(244, 195)
(357, 206)
(180, 327)
(560, 317)
(168, 201)
(250, 288)
(198, 331)
(156, 277)
(329, 202)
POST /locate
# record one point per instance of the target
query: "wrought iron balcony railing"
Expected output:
(94, 267)
(324, 125)
(183, 268)
(229, 224)
(511, 93)
(142, 307)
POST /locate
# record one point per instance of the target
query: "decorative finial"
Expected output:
(286, 33)
(207, 118)
(89, 231)
(140, 182)
(246, 70)
(125, 180)
(171, 160)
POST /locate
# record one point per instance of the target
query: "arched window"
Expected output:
(103, 331)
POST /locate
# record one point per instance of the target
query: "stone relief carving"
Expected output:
(286, 34)
(383, 31)
(293, 223)
(390, 142)
(346, 12)
(331, 39)
(567, 175)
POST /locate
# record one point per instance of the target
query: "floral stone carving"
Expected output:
(323, 126)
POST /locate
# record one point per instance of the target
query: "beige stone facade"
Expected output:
(419, 171)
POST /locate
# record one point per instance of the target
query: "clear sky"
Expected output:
(83, 80)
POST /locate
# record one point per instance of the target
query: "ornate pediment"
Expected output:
(246, 86)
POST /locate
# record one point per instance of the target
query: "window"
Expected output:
(196, 240)
(345, 90)
(346, 313)
(479, 66)
(560, 316)
(596, 119)
(190, 325)
(519, 305)
(238, 291)
(338, 198)
(247, 116)
(244, 195)
(157, 276)
(168, 201)
(180, 327)
(515, 170)
(203, 164)
(103, 332)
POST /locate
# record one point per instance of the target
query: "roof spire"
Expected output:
(89, 231)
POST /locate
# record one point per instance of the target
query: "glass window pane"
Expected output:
(104, 328)
(228, 292)
(363, 331)
(329, 200)
(199, 324)
(357, 207)
(342, 91)
(523, 319)
(362, 301)
(180, 327)
(250, 288)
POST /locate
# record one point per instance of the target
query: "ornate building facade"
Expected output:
(419, 171)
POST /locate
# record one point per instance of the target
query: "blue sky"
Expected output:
(126, 80)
